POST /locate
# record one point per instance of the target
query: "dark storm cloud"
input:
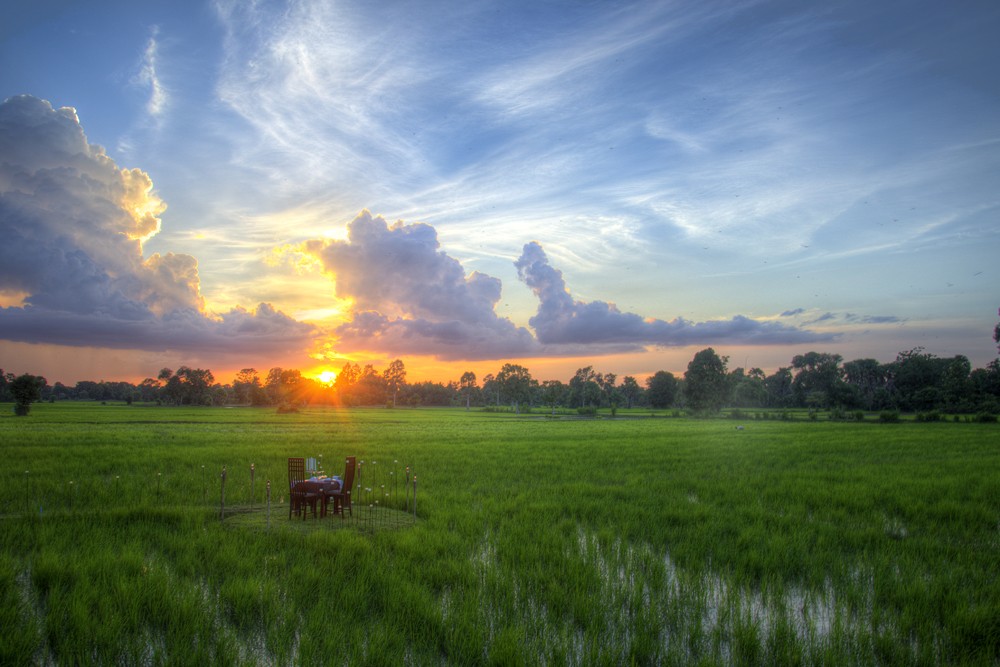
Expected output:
(562, 320)
(73, 224)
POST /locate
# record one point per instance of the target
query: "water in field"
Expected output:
(689, 616)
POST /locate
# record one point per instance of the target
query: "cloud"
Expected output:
(147, 77)
(561, 320)
(411, 297)
(73, 226)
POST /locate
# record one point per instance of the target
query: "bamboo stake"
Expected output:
(222, 498)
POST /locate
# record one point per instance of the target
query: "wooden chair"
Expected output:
(342, 496)
(297, 495)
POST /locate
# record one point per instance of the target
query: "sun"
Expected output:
(327, 377)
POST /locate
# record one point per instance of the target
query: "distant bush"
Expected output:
(736, 413)
(888, 416)
(932, 416)
(986, 418)
(287, 409)
(859, 415)
(838, 414)
(588, 411)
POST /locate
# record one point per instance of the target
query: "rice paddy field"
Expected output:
(534, 541)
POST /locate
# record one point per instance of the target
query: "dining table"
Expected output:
(326, 487)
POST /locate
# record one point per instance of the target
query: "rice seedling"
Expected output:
(534, 541)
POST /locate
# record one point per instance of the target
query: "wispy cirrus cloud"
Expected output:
(149, 78)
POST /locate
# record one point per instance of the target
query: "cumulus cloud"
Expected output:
(411, 297)
(73, 225)
(561, 320)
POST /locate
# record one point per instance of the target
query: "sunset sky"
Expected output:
(462, 184)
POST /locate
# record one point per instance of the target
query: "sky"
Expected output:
(465, 184)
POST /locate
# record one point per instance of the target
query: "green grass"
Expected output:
(536, 540)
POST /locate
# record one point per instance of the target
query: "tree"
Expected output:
(914, 379)
(148, 389)
(25, 389)
(244, 384)
(515, 383)
(818, 379)
(584, 388)
(607, 384)
(553, 393)
(630, 391)
(779, 388)
(395, 377)
(370, 388)
(189, 386)
(345, 382)
(996, 333)
(468, 386)
(867, 377)
(491, 390)
(706, 383)
(748, 389)
(955, 386)
(661, 389)
(5, 380)
(274, 387)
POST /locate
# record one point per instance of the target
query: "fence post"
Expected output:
(414, 497)
(252, 466)
(269, 504)
(222, 498)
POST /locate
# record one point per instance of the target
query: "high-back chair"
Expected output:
(298, 496)
(342, 496)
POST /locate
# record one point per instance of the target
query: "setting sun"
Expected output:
(327, 377)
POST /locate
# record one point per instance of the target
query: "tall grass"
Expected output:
(536, 541)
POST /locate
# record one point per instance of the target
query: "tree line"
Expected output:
(914, 381)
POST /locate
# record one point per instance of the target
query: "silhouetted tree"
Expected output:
(467, 384)
(553, 393)
(818, 381)
(661, 389)
(630, 391)
(395, 378)
(706, 382)
(515, 383)
(245, 385)
(25, 389)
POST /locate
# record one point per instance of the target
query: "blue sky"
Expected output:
(576, 183)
